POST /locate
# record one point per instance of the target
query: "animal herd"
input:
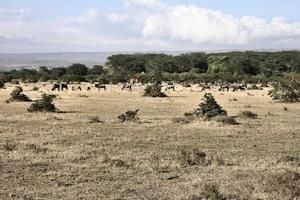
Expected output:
(168, 86)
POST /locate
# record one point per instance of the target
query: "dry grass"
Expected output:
(61, 156)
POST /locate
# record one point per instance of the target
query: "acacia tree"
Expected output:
(77, 69)
(287, 89)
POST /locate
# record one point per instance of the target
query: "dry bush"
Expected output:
(183, 120)
(209, 191)
(129, 116)
(94, 119)
(282, 185)
(83, 96)
(36, 149)
(247, 114)
(10, 146)
(226, 120)
(118, 163)
(17, 96)
(190, 157)
(43, 105)
(294, 160)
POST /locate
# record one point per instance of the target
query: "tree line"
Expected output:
(190, 67)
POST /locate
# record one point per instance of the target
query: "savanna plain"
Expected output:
(70, 155)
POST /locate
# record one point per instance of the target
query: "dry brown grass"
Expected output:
(61, 156)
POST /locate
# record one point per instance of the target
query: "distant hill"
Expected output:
(34, 60)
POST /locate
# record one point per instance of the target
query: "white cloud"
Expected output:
(143, 2)
(203, 26)
(15, 14)
(116, 18)
(144, 25)
(90, 16)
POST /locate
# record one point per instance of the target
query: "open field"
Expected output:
(63, 156)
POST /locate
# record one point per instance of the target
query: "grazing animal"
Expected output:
(55, 86)
(100, 86)
(74, 88)
(88, 89)
(238, 87)
(170, 87)
(15, 82)
(224, 87)
(186, 85)
(64, 86)
(205, 87)
(127, 86)
(136, 78)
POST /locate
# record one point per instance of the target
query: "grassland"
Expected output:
(63, 156)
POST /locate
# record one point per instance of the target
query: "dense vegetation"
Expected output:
(287, 89)
(190, 67)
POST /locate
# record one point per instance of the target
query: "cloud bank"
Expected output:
(144, 25)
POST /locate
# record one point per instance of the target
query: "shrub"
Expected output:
(287, 89)
(10, 146)
(17, 96)
(94, 119)
(2, 84)
(247, 114)
(190, 157)
(154, 90)
(209, 107)
(129, 116)
(183, 120)
(83, 96)
(211, 191)
(226, 120)
(35, 148)
(283, 184)
(35, 88)
(43, 105)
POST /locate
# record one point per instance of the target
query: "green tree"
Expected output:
(77, 69)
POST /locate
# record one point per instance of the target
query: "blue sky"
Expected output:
(47, 9)
(136, 25)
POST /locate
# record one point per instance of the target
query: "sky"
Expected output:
(30, 26)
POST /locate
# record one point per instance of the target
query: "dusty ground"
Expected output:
(62, 156)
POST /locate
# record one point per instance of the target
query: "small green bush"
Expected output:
(43, 105)
(154, 90)
(129, 116)
(17, 96)
(209, 107)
